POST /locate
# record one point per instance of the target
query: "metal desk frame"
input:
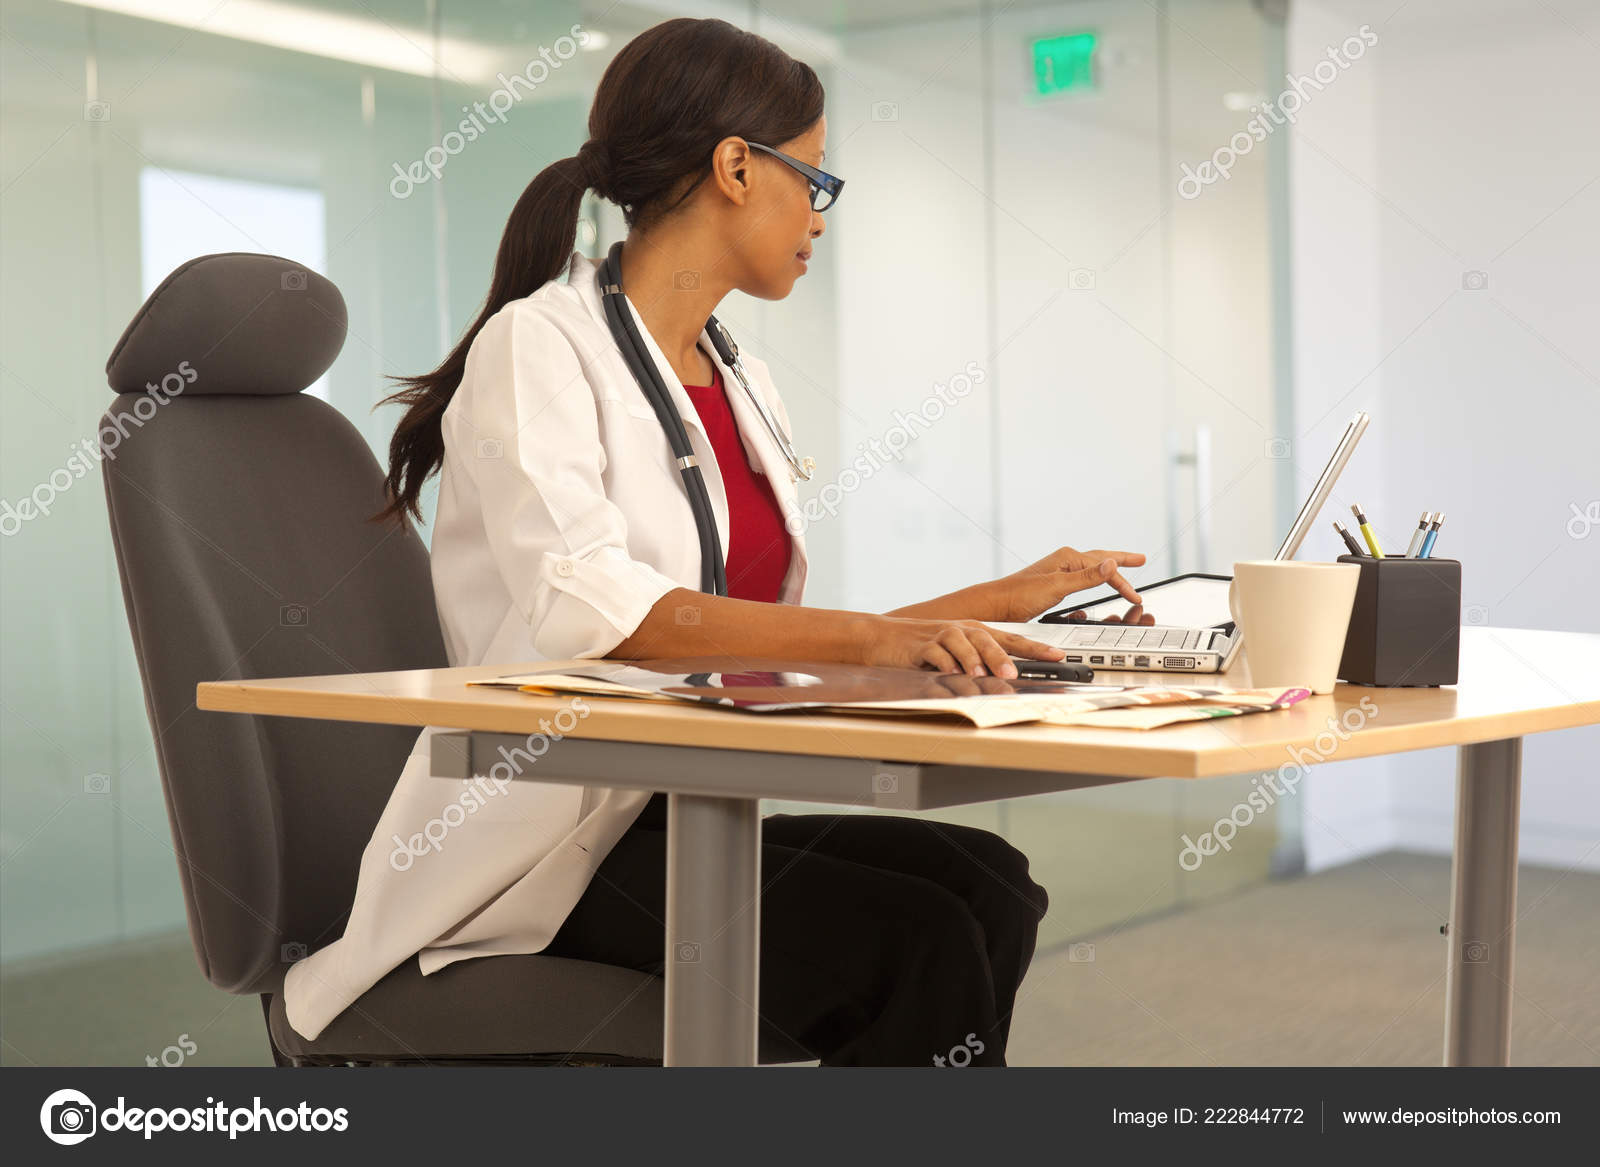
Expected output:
(714, 865)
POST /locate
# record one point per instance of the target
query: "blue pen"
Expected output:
(1433, 533)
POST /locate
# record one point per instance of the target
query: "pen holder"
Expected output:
(1405, 628)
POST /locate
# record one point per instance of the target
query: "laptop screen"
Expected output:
(1199, 602)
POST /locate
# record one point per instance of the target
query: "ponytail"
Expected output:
(534, 249)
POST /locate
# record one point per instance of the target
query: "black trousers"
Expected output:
(885, 941)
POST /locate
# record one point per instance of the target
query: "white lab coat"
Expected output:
(562, 518)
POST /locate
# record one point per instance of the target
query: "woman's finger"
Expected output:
(935, 655)
(1107, 562)
(1123, 558)
(1016, 645)
(1102, 572)
(998, 660)
(1127, 590)
(955, 639)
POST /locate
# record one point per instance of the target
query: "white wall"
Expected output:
(1043, 241)
(909, 251)
(1463, 142)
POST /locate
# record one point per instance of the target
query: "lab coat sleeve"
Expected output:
(533, 440)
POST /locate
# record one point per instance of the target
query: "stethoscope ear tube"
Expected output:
(713, 572)
(722, 341)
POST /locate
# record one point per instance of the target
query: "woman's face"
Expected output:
(780, 224)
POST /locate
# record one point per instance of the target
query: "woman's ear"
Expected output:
(730, 169)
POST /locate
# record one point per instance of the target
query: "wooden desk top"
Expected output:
(1513, 682)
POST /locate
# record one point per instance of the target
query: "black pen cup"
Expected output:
(1405, 628)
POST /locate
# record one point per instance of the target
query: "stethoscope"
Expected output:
(713, 578)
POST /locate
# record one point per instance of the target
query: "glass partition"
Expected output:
(137, 135)
(1059, 346)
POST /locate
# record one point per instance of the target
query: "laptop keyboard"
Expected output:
(1115, 636)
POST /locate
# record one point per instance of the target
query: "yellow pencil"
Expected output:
(1366, 533)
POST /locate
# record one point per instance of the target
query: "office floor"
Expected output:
(1343, 967)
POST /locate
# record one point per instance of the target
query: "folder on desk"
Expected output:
(764, 685)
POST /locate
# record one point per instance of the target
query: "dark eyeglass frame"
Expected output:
(821, 181)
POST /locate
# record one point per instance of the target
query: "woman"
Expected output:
(563, 530)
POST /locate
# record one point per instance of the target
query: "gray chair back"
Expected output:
(239, 512)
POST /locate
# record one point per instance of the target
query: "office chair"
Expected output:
(239, 511)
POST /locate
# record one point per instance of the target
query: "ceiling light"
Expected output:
(361, 40)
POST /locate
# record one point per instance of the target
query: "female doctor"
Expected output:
(564, 530)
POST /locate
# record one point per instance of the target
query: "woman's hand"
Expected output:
(1037, 588)
(960, 646)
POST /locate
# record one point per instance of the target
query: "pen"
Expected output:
(1349, 540)
(1419, 535)
(1366, 532)
(1433, 533)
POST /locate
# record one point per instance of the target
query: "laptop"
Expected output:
(1198, 636)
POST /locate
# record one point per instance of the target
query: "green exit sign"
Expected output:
(1064, 64)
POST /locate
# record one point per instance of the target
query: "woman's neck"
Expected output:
(674, 288)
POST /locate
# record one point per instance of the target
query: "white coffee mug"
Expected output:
(1293, 617)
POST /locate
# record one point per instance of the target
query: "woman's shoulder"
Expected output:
(556, 309)
(552, 329)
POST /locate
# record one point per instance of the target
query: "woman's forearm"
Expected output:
(978, 602)
(685, 622)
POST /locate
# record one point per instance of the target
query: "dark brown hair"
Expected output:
(662, 105)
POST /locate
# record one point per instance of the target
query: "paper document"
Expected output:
(762, 685)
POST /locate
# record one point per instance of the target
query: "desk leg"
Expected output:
(713, 930)
(1483, 905)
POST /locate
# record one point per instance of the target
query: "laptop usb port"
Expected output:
(1118, 660)
(1141, 662)
(1074, 660)
(1097, 660)
(1177, 662)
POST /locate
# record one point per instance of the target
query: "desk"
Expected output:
(715, 766)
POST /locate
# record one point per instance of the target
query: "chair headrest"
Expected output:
(241, 323)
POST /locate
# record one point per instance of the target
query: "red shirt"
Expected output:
(758, 545)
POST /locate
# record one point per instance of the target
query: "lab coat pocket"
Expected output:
(637, 419)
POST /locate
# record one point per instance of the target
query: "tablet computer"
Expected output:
(1196, 600)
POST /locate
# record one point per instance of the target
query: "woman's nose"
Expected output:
(817, 225)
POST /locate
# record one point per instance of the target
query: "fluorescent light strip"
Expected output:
(357, 39)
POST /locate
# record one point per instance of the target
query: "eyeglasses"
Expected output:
(825, 187)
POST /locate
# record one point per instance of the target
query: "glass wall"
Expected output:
(1118, 337)
(130, 145)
